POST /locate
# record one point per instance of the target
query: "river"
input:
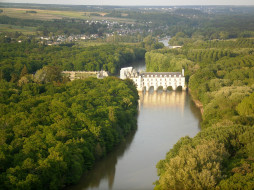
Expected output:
(164, 117)
(165, 41)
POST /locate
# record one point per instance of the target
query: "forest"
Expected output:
(194, 22)
(53, 130)
(32, 56)
(52, 133)
(220, 75)
(210, 22)
(57, 26)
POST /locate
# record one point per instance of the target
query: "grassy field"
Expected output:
(55, 14)
(14, 28)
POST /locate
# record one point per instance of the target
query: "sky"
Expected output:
(136, 2)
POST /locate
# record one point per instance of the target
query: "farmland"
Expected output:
(59, 14)
(14, 28)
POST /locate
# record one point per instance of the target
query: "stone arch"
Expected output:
(169, 88)
(179, 88)
(151, 88)
(160, 88)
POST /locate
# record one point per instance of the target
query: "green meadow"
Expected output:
(56, 14)
(14, 28)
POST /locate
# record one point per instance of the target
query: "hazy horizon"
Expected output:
(136, 3)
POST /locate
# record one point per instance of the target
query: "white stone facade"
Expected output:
(146, 80)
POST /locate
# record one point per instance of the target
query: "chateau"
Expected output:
(145, 80)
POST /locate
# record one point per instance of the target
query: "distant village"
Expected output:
(113, 27)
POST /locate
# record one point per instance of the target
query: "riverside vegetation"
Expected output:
(32, 56)
(51, 134)
(52, 130)
(221, 76)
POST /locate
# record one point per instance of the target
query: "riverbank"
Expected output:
(162, 121)
(63, 130)
(196, 101)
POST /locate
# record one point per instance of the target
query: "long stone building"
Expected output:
(73, 75)
(145, 80)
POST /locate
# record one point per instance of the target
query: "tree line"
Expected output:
(191, 22)
(53, 130)
(57, 26)
(15, 56)
(52, 133)
(220, 76)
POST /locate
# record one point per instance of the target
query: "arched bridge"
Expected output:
(145, 80)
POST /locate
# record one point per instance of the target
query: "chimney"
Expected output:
(183, 72)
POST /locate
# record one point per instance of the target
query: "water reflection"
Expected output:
(139, 65)
(165, 41)
(161, 99)
(164, 117)
(104, 170)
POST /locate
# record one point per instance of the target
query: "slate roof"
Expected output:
(163, 74)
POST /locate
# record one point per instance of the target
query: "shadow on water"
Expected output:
(104, 168)
(163, 119)
(139, 65)
(195, 110)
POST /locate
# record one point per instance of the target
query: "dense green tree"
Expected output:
(24, 71)
(151, 43)
(33, 56)
(48, 74)
(246, 107)
(220, 77)
(52, 133)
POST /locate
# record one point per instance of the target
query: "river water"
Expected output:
(164, 117)
(165, 41)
